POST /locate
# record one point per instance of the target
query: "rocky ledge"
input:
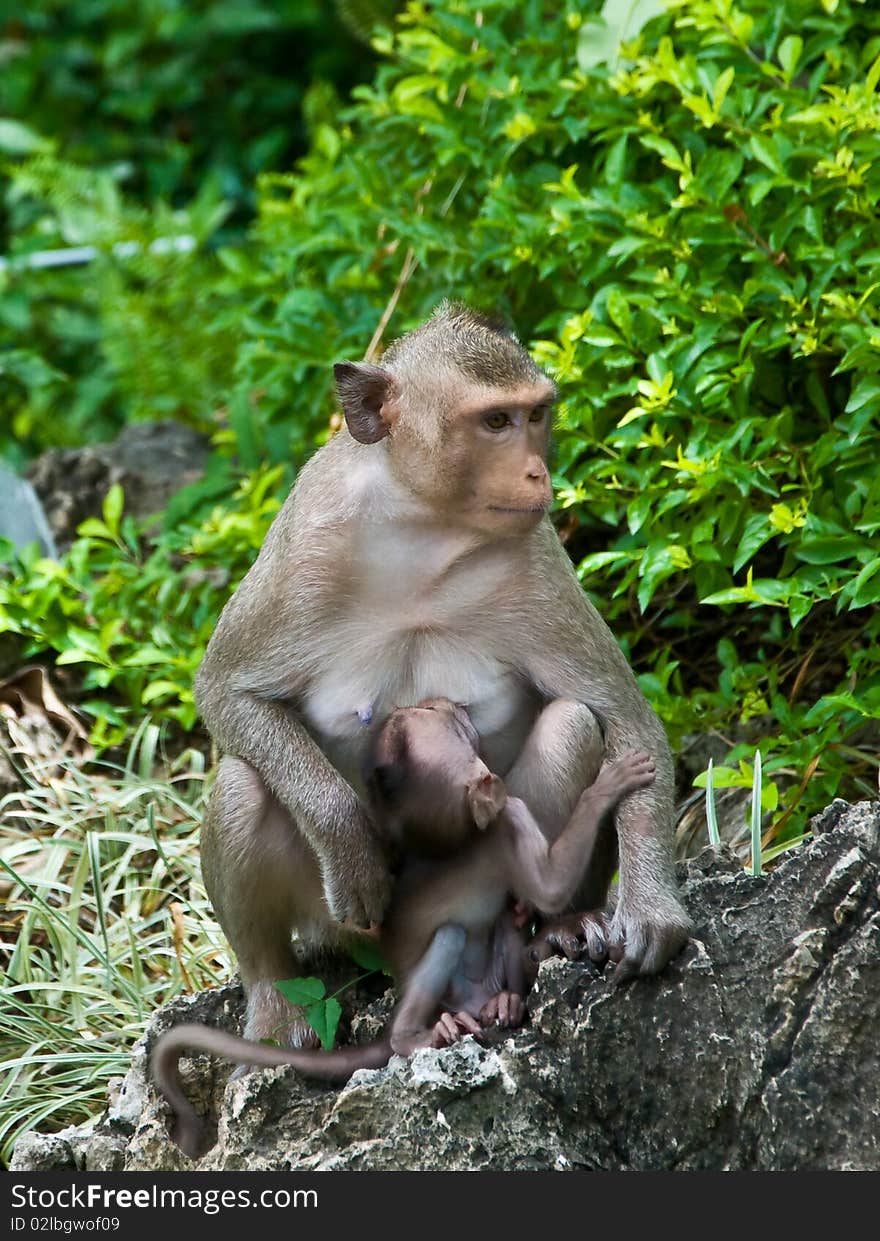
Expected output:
(757, 1049)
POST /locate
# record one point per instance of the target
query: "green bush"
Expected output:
(686, 237)
(137, 334)
(175, 90)
(172, 102)
(136, 619)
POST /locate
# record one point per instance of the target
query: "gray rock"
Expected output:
(22, 519)
(151, 460)
(756, 1049)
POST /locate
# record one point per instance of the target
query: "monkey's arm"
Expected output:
(243, 688)
(534, 873)
(512, 943)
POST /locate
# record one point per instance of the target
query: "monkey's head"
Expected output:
(426, 783)
(463, 414)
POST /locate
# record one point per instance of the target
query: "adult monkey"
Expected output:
(414, 559)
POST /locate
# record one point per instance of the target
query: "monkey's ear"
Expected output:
(364, 393)
(487, 797)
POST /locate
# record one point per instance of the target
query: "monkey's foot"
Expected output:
(506, 1009)
(271, 1019)
(573, 936)
(643, 945)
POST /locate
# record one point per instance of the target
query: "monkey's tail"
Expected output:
(328, 1066)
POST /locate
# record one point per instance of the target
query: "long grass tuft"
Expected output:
(104, 918)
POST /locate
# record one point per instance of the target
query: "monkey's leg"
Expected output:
(560, 758)
(505, 979)
(263, 881)
(414, 1022)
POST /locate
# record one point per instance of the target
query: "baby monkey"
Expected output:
(451, 936)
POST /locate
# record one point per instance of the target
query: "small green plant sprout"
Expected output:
(756, 815)
(765, 799)
(323, 1011)
(711, 817)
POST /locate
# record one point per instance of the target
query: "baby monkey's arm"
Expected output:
(549, 875)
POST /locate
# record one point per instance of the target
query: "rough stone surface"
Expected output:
(22, 519)
(151, 460)
(757, 1049)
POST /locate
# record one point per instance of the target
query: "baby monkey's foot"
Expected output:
(506, 1009)
(633, 770)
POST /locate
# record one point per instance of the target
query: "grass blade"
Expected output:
(756, 815)
(711, 817)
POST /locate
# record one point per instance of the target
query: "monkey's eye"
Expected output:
(539, 413)
(497, 420)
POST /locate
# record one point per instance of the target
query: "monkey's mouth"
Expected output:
(532, 508)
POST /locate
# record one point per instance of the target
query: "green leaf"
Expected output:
(724, 778)
(789, 54)
(799, 606)
(866, 587)
(18, 139)
(301, 991)
(866, 391)
(367, 955)
(834, 550)
(757, 532)
(618, 312)
(765, 150)
(159, 689)
(112, 508)
(92, 528)
(323, 1017)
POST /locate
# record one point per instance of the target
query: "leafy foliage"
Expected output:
(174, 90)
(180, 103)
(684, 231)
(688, 240)
(136, 619)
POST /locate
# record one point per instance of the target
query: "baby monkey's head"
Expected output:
(427, 785)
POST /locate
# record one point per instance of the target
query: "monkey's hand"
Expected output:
(506, 1009)
(643, 943)
(572, 936)
(354, 870)
(449, 1029)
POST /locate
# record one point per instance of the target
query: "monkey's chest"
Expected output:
(366, 674)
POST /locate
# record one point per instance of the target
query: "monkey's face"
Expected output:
(485, 466)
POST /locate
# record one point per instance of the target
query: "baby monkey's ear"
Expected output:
(487, 797)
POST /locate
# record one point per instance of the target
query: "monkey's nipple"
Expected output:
(364, 714)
